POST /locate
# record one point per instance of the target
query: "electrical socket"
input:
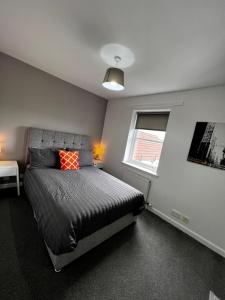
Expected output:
(185, 219)
(176, 214)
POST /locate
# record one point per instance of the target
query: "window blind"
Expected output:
(152, 120)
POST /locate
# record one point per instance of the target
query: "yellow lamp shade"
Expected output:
(99, 151)
(1, 147)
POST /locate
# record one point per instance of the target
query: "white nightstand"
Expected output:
(10, 168)
(98, 163)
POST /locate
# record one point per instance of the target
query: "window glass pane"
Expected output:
(148, 146)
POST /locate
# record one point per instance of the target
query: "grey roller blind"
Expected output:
(152, 120)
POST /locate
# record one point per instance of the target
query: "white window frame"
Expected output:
(131, 141)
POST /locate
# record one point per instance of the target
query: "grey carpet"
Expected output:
(149, 260)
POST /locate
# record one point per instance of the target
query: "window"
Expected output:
(146, 139)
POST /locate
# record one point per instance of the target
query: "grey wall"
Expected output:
(31, 97)
(196, 191)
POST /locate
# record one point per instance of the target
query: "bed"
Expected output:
(76, 210)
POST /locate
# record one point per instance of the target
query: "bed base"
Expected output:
(89, 242)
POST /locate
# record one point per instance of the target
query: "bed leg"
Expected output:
(58, 270)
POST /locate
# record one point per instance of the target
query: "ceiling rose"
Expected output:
(109, 51)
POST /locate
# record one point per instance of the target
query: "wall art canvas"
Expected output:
(208, 145)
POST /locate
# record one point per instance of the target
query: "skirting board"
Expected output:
(188, 231)
(9, 185)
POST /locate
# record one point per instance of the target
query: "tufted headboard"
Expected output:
(43, 138)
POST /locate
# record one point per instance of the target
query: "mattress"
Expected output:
(70, 205)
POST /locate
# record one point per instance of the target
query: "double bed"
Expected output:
(76, 210)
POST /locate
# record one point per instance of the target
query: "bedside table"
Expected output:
(10, 168)
(98, 164)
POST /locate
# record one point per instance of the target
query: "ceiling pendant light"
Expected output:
(114, 77)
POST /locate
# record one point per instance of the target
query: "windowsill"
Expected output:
(139, 168)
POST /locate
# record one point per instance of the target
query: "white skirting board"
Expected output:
(9, 185)
(188, 231)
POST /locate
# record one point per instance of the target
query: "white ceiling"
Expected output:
(178, 44)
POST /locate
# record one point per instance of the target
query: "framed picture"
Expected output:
(208, 145)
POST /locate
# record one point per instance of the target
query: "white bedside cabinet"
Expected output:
(98, 163)
(10, 168)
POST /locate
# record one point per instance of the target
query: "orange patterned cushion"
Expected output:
(69, 160)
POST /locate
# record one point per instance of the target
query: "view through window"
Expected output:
(148, 146)
(146, 140)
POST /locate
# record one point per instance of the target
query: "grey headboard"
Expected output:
(43, 138)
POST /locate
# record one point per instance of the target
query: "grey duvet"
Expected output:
(70, 205)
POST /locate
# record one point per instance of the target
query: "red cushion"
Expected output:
(69, 160)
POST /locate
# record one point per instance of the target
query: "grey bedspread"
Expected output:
(70, 205)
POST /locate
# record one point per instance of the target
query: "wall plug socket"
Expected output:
(185, 219)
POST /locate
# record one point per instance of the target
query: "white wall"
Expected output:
(195, 190)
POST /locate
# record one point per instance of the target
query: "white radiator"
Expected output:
(138, 181)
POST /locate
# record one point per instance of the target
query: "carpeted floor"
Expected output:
(149, 260)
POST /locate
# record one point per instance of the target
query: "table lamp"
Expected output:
(99, 151)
